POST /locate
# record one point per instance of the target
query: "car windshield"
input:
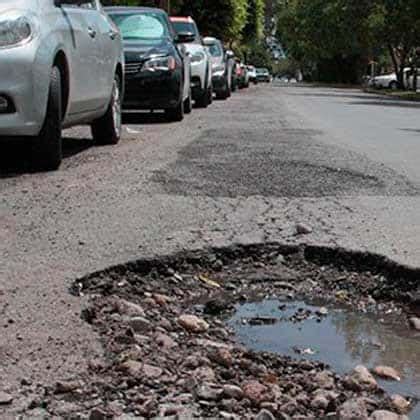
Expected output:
(262, 71)
(190, 27)
(147, 27)
(216, 50)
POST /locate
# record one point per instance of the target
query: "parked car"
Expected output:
(201, 73)
(157, 68)
(390, 80)
(236, 72)
(222, 65)
(263, 75)
(252, 73)
(243, 76)
(61, 64)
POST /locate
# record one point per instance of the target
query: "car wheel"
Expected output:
(47, 146)
(393, 85)
(107, 129)
(210, 94)
(202, 100)
(224, 93)
(188, 103)
(175, 114)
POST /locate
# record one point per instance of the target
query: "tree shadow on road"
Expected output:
(411, 130)
(16, 159)
(391, 103)
(338, 95)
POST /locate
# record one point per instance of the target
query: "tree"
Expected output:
(396, 25)
(329, 37)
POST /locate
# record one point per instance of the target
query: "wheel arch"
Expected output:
(120, 72)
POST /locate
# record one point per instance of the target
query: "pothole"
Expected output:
(170, 350)
(335, 335)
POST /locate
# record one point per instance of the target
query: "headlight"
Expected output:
(198, 57)
(16, 28)
(160, 64)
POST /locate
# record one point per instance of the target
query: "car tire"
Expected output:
(47, 146)
(224, 93)
(210, 94)
(393, 85)
(107, 129)
(188, 103)
(175, 114)
(202, 100)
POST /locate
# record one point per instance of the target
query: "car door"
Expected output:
(109, 39)
(84, 55)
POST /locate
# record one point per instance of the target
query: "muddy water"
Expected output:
(341, 338)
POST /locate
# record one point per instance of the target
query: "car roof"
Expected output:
(188, 19)
(128, 9)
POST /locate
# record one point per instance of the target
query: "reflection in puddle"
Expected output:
(342, 339)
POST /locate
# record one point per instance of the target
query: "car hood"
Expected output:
(195, 48)
(31, 5)
(137, 51)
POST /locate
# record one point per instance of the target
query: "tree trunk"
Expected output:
(397, 67)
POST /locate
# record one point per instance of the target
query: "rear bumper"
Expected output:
(153, 90)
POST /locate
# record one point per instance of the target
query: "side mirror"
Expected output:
(184, 37)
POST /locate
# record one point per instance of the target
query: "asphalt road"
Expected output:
(245, 170)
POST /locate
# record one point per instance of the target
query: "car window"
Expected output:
(145, 27)
(215, 50)
(187, 27)
(82, 4)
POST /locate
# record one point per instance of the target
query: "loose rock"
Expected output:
(5, 398)
(265, 415)
(210, 393)
(124, 307)
(353, 410)
(256, 392)
(415, 323)
(233, 391)
(303, 229)
(360, 379)
(221, 356)
(140, 324)
(193, 323)
(387, 372)
(387, 415)
(400, 404)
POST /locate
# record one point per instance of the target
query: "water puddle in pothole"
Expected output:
(338, 337)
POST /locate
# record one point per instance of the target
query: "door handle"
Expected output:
(91, 32)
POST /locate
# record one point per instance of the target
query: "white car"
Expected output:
(390, 81)
(201, 67)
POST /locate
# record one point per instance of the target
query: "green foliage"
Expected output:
(257, 54)
(333, 37)
(232, 21)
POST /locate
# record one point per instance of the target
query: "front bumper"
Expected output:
(25, 82)
(153, 90)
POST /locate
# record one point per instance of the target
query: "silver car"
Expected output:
(61, 64)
